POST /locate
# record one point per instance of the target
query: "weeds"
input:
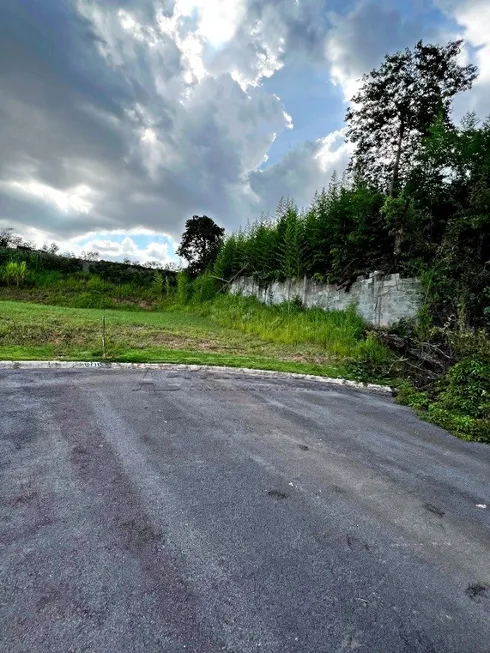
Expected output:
(459, 402)
(337, 333)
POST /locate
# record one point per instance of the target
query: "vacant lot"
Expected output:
(229, 333)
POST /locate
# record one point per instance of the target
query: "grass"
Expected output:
(56, 315)
(80, 290)
(226, 331)
(59, 317)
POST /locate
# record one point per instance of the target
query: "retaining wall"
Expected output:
(381, 300)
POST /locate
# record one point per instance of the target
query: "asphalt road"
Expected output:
(163, 511)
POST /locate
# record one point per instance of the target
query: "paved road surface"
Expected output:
(163, 511)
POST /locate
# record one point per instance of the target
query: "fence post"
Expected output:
(103, 335)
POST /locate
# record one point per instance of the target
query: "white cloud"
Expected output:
(72, 200)
(473, 17)
(134, 130)
(218, 20)
(113, 250)
(307, 168)
(148, 112)
(333, 152)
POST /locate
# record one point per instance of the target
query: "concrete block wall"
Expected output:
(380, 300)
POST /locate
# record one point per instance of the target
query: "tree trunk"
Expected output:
(395, 179)
(395, 182)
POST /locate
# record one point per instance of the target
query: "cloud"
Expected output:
(359, 40)
(114, 250)
(140, 244)
(112, 120)
(269, 35)
(309, 167)
(126, 114)
(473, 18)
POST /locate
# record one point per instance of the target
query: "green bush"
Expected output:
(410, 396)
(96, 284)
(205, 287)
(184, 287)
(459, 403)
(371, 361)
(91, 300)
(158, 284)
(38, 261)
(15, 273)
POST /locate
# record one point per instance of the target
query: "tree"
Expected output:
(396, 107)
(290, 232)
(6, 237)
(91, 256)
(200, 243)
(50, 249)
(449, 188)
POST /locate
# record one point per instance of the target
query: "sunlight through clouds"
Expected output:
(147, 112)
(73, 200)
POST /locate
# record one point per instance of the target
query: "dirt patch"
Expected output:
(141, 533)
(356, 544)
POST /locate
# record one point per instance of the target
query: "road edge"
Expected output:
(178, 367)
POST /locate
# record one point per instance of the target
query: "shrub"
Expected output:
(184, 287)
(372, 361)
(158, 284)
(91, 300)
(460, 402)
(205, 287)
(15, 272)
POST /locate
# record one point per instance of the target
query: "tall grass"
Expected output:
(328, 336)
(338, 333)
(84, 290)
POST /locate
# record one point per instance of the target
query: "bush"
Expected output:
(39, 261)
(91, 300)
(184, 287)
(158, 284)
(410, 396)
(460, 401)
(205, 287)
(372, 361)
(15, 273)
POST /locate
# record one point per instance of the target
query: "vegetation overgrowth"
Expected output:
(210, 333)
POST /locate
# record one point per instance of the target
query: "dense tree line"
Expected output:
(415, 199)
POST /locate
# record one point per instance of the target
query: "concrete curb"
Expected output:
(40, 365)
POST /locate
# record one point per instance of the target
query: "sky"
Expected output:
(121, 119)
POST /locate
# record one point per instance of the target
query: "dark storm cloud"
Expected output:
(77, 93)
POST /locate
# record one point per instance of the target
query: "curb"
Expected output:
(40, 365)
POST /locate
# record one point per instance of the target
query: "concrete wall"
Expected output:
(381, 300)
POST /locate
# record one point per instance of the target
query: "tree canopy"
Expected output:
(396, 107)
(200, 243)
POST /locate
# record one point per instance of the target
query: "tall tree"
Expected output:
(396, 106)
(200, 243)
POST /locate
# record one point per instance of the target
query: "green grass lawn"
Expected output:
(42, 332)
